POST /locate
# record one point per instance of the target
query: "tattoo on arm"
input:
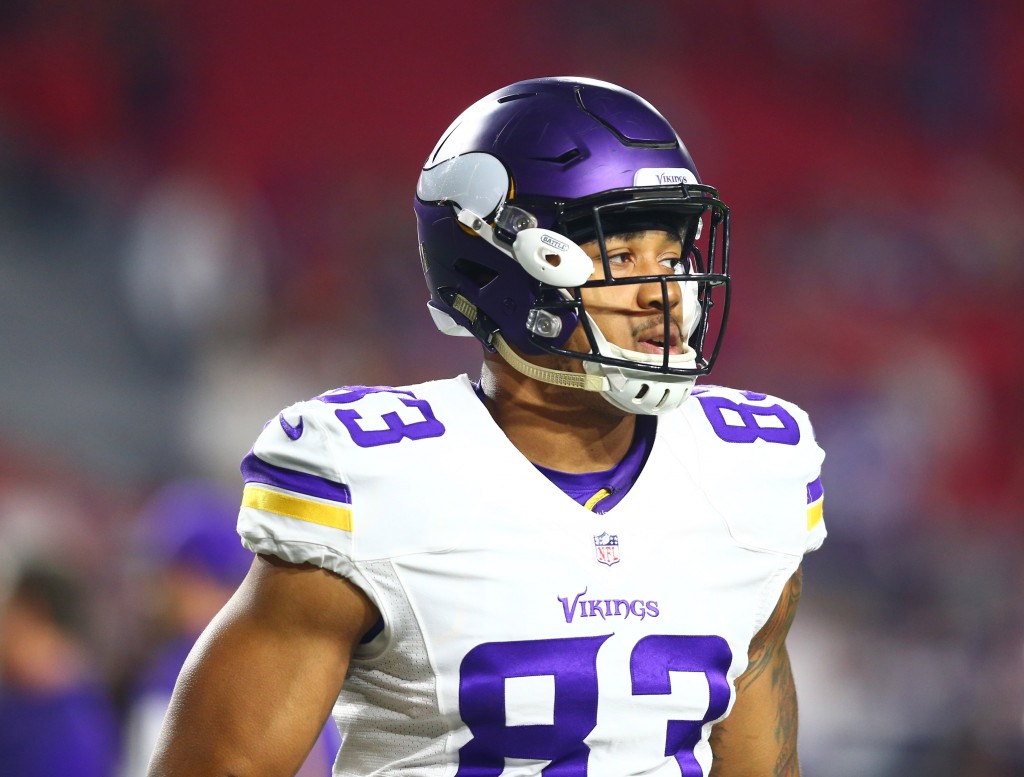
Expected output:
(787, 764)
(771, 639)
(771, 671)
(783, 687)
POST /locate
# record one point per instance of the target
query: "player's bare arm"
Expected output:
(759, 737)
(261, 681)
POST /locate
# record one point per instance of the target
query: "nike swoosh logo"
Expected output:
(293, 432)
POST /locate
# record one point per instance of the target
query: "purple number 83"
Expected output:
(572, 663)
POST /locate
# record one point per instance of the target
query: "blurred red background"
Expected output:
(205, 214)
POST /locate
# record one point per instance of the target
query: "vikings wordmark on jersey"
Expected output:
(520, 629)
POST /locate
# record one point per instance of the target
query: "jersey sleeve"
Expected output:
(761, 466)
(296, 503)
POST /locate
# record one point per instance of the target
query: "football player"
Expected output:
(579, 564)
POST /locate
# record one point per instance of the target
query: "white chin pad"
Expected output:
(551, 258)
(636, 391)
(644, 394)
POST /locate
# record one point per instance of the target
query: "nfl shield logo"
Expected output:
(607, 548)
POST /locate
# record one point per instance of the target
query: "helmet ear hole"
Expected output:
(551, 258)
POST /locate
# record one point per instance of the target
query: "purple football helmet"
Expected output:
(523, 177)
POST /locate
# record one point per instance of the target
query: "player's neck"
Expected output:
(564, 429)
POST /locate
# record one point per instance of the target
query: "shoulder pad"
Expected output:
(761, 467)
(320, 462)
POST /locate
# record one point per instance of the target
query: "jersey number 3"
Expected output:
(570, 665)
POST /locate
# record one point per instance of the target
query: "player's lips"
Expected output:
(653, 342)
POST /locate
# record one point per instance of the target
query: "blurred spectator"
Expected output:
(55, 716)
(192, 265)
(196, 561)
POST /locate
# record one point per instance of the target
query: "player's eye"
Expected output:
(677, 264)
(620, 262)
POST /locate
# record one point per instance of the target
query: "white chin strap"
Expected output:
(634, 391)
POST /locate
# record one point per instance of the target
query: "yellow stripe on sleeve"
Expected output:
(814, 513)
(293, 507)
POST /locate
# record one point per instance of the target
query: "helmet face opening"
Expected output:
(701, 221)
(584, 160)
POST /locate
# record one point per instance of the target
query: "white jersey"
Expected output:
(522, 631)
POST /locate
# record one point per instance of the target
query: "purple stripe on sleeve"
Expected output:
(256, 470)
(814, 491)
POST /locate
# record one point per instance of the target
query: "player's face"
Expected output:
(631, 315)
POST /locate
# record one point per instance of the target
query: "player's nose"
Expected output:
(661, 294)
